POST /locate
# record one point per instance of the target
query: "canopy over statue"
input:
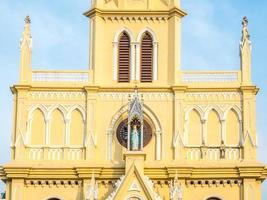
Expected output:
(135, 123)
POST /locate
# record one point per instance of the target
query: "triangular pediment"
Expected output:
(134, 185)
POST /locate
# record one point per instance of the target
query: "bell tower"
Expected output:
(135, 41)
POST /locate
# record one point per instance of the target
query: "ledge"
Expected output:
(84, 171)
(97, 11)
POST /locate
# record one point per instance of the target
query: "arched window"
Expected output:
(124, 58)
(54, 199)
(38, 128)
(194, 128)
(57, 128)
(76, 128)
(214, 129)
(146, 58)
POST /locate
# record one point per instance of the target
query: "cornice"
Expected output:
(100, 12)
(142, 88)
(254, 89)
(168, 172)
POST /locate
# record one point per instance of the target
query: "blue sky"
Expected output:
(211, 34)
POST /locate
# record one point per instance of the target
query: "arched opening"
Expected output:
(76, 128)
(213, 198)
(232, 128)
(53, 199)
(124, 58)
(38, 128)
(57, 130)
(194, 128)
(134, 198)
(146, 58)
(214, 129)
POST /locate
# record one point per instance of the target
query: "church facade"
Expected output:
(134, 126)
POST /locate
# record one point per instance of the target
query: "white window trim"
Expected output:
(155, 53)
(116, 51)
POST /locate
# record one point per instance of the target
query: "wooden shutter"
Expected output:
(124, 58)
(146, 58)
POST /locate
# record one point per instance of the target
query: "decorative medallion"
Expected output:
(123, 129)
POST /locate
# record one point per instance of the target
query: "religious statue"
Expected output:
(135, 139)
(135, 123)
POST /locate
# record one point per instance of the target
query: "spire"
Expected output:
(245, 53)
(25, 52)
(92, 190)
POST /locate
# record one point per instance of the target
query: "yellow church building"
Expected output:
(134, 126)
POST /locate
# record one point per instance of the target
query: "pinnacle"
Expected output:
(27, 19)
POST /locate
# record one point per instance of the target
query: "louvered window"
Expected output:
(146, 58)
(124, 58)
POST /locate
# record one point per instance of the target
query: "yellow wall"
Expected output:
(74, 143)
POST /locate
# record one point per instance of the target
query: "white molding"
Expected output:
(155, 53)
(206, 77)
(116, 51)
(81, 77)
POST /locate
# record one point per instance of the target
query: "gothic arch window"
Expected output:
(232, 128)
(194, 137)
(213, 128)
(146, 71)
(76, 128)
(57, 128)
(37, 128)
(124, 58)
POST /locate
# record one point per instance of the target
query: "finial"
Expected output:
(245, 21)
(27, 19)
(245, 34)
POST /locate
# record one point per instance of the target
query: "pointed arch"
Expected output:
(37, 128)
(79, 108)
(124, 58)
(236, 109)
(126, 50)
(196, 108)
(77, 128)
(57, 107)
(146, 66)
(233, 128)
(118, 34)
(194, 133)
(215, 109)
(149, 114)
(147, 55)
(150, 31)
(57, 128)
(33, 108)
(214, 137)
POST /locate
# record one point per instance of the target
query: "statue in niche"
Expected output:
(134, 139)
(135, 123)
(135, 135)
